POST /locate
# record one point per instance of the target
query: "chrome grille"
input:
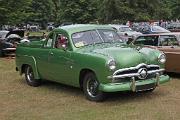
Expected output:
(126, 73)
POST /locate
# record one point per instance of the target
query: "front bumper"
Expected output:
(134, 85)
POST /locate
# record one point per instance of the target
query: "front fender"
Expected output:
(95, 63)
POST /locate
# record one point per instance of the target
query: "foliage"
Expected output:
(14, 12)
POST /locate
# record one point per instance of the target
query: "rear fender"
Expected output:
(29, 60)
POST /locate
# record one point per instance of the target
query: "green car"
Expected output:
(91, 57)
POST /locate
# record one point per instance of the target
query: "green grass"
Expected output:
(53, 101)
(40, 33)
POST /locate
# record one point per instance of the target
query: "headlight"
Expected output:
(162, 58)
(111, 64)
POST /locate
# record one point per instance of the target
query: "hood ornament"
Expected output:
(143, 73)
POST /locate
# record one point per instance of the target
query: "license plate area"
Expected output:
(145, 87)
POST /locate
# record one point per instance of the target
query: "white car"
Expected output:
(125, 30)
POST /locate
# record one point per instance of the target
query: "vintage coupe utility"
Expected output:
(93, 58)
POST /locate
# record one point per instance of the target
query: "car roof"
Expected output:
(4, 31)
(115, 25)
(82, 27)
(171, 33)
(160, 34)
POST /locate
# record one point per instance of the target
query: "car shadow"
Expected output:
(110, 97)
(174, 75)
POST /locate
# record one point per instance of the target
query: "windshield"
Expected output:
(158, 29)
(94, 37)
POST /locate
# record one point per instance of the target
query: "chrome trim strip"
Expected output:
(156, 71)
(133, 68)
(125, 75)
(9, 49)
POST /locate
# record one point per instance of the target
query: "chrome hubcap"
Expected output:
(30, 74)
(92, 87)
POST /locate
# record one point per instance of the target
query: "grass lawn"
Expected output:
(40, 33)
(53, 101)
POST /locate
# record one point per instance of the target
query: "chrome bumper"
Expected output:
(156, 83)
(9, 49)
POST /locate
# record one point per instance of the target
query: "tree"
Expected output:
(13, 11)
(175, 9)
(78, 11)
(41, 11)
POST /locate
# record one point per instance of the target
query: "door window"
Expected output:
(147, 40)
(167, 40)
(61, 41)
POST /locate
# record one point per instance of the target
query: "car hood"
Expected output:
(126, 56)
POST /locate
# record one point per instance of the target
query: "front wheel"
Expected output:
(29, 75)
(90, 88)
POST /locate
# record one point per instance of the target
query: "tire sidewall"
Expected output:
(32, 82)
(100, 96)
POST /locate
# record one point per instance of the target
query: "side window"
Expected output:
(147, 40)
(49, 41)
(163, 42)
(168, 41)
(139, 40)
(61, 41)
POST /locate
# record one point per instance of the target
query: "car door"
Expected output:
(60, 60)
(170, 46)
(43, 64)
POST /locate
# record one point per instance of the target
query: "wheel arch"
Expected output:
(83, 72)
(29, 61)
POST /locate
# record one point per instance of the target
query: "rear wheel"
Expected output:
(29, 75)
(1, 53)
(90, 88)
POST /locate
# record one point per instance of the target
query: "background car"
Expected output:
(151, 29)
(165, 43)
(174, 27)
(9, 41)
(34, 28)
(124, 30)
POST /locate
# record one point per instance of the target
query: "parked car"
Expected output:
(50, 27)
(151, 29)
(93, 58)
(124, 30)
(177, 34)
(166, 43)
(34, 28)
(174, 27)
(9, 41)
